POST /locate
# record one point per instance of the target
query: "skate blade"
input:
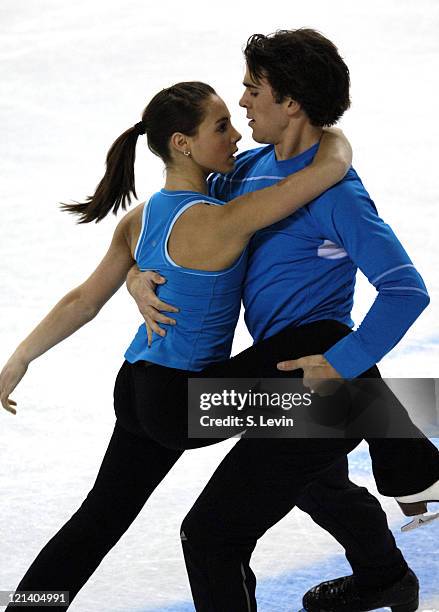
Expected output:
(420, 521)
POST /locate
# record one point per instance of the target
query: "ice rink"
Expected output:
(76, 75)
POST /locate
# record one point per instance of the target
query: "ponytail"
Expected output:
(117, 185)
(179, 108)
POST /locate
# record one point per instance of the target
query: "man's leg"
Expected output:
(356, 520)
(256, 484)
(347, 510)
(381, 576)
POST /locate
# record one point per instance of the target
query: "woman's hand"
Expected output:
(335, 149)
(10, 376)
(74, 310)
(248, 213)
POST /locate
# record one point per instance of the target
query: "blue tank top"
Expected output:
(209, 302)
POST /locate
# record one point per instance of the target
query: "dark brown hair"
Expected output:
(180, 108)
(305, 66)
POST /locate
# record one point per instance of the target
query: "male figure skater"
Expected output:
(302, 270)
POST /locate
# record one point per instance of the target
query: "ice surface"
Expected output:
(74, 76)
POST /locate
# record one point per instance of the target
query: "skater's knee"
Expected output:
(191, 532)
(199, 531)
(208, 531)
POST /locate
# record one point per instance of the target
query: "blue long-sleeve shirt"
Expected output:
(303, 268)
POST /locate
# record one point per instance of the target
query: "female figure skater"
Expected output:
(204, 241)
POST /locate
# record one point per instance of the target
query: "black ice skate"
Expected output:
(343, 595)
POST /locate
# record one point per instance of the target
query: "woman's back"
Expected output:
(209, 299)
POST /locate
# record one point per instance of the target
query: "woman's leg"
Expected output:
(160, 398)
(132, 468)
(405, 461)
(401, 465)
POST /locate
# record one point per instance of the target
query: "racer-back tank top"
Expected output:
(209, 302)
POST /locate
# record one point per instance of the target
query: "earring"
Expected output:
(187, 153)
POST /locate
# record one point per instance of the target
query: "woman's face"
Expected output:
(214, 145)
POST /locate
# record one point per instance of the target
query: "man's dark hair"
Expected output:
(304, 65)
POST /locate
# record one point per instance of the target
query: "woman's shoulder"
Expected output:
(131, 224)
(135, 212)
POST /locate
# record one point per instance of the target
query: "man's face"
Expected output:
(268, 119)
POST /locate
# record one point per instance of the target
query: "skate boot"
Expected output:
(416, 506)
(342, 595)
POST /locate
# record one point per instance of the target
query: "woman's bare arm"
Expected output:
(253, 211)
(76, 308)
(212, 237)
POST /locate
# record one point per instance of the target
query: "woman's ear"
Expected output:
(179, 142)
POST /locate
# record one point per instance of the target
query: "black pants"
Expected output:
(150, 410)
(401, 466)
(259, 482)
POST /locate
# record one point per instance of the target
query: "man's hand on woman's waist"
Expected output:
(142, 287)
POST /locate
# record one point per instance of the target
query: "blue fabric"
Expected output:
(303, 268)
(209, 302)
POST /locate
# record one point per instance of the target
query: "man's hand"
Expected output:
(142, 287)
(318, 373)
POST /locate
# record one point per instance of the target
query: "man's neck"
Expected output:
(296, 139)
